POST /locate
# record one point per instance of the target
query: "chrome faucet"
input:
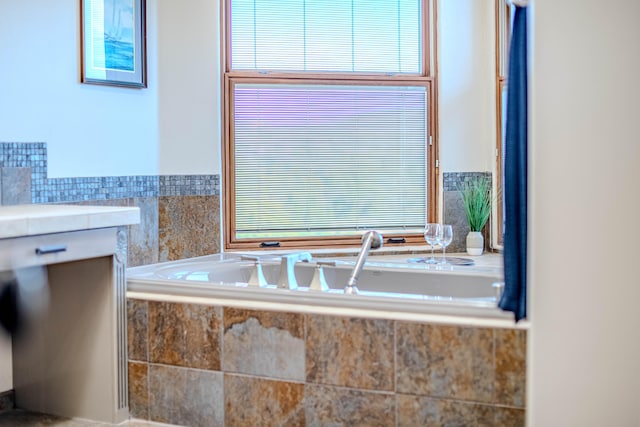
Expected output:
(370, 240)
(257, 275)
(318, 281)
(287, 278)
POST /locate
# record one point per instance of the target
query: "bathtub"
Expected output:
(389, 287)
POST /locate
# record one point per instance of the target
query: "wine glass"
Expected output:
(431, 236)
(445, 238)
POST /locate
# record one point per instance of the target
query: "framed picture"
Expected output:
(113, 42)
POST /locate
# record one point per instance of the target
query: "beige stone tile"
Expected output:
(143, 237)
(509, 417)
(334, 406)
(185, 334)
(511, 353)
(428, 412)
(15, 186)
(138, 390)
(188, 226)
(269, 344)
(454, 214)
(188, 397)
(445, 361)
(137, 324)
(350, 352)
(290, 322)
(252, 401)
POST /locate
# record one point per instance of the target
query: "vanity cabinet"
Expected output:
(71, 360)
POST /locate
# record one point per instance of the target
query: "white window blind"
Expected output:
(319, 160)
(327, 35)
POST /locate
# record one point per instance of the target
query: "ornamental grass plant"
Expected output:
(476, 197)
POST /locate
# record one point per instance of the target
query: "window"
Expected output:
(328, 121)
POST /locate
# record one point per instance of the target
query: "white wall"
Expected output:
(173, 126)
(584, 364)
(467, 79)
(90, 130)
(189, 86)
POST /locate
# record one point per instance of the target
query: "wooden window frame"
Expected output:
(503, 29)
(426, 78)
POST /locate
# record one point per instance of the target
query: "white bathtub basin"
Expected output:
(390, 288)
(380, 277)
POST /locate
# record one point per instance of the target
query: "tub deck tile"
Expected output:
(350, 352)
(445, 361)
(188, 397)
(137, 324)
(268, 344)
(511, 354)
(186, 335)
(139, 390)
(253, 401)
(432, 412)
(336, 406)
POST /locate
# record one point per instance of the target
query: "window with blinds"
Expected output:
(326, 35)
(328, 107)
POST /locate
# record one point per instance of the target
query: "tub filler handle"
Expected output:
(257, 275)
(370, 240)
(318, 282)
(287, 278)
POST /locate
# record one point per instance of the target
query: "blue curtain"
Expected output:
(514, 296)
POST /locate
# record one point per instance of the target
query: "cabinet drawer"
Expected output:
(56, 248)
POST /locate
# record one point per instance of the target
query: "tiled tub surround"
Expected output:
(180, 213)
(210, 365)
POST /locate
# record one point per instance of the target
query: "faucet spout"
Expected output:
(287, 277)
(370, 240)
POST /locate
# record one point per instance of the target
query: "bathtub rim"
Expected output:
(443, 312)
(142, 284)
(383, 263)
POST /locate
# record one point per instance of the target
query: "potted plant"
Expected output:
(476, 198)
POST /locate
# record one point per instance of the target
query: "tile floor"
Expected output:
(20, 418)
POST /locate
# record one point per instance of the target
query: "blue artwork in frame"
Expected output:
(113, 42)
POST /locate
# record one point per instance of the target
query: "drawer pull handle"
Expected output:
(51, 249)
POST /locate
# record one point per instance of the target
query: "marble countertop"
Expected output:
(29, 220)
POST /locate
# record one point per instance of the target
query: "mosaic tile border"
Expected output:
(454, 180)
(57, 190)
(189, 185)
(26, 155)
